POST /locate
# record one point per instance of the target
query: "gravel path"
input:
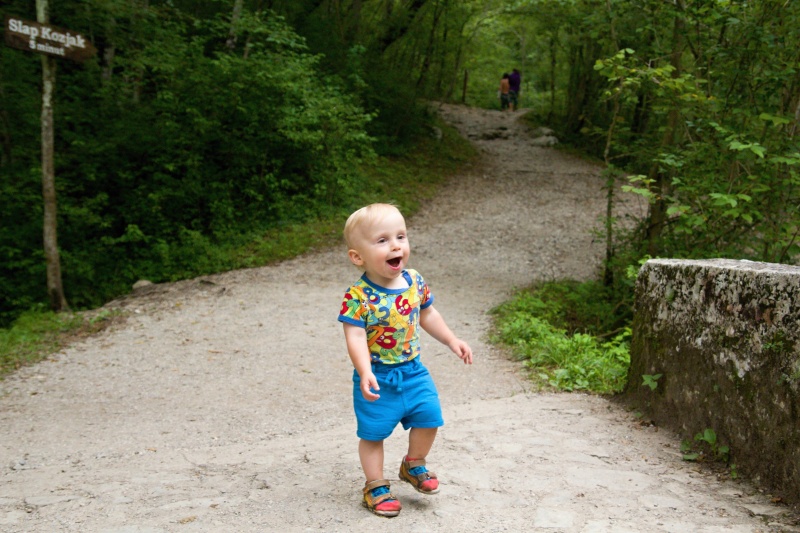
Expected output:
(223, 403)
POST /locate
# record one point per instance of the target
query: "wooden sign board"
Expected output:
(46, 39)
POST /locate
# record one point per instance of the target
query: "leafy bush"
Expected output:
(181, 148)
(405, 181)
(577, 307)
(533, 324)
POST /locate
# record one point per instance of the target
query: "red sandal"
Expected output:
(381, 502)
(422, 480)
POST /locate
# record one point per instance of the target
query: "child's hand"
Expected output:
(462, 350)
(369, 381)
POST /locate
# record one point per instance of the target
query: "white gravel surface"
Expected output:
(223, 403)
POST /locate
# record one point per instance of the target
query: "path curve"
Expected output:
(223, 403)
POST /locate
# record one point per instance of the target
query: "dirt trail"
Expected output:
(223, 403)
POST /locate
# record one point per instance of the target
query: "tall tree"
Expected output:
(657, 216)
(55, 287)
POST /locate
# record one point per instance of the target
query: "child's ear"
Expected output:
(355, 257)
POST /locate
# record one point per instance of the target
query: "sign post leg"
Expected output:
(55, 288)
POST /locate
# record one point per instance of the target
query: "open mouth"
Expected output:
(394, 263)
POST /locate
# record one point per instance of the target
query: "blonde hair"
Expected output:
(365, 216)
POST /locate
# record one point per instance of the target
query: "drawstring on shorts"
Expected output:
(395, 379)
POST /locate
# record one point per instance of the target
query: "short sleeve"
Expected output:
(353, 309)
(424, 291)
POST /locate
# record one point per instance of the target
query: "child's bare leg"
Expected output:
(371, 454)
(420, 442)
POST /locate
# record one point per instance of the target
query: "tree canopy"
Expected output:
(198, 121)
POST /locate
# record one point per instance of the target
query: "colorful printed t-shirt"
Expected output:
(390, 316)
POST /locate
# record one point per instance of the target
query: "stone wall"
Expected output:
(725, 335)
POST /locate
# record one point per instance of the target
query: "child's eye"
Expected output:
(401, 237)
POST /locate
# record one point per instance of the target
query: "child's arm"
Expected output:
(432, 322)
(356, 339)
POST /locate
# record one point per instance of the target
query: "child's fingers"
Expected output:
(367, 387)
(370, 396)
(466, 354)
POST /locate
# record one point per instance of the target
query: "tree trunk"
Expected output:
(109, 52)
(353, 22)
(235, 16)
(553, 43)
(398, 29)
(426, 64)
(55, 289)
(578, 89)
(5, 132)
(442, 56)
(660, 181)
(611, 181)
(456, 70)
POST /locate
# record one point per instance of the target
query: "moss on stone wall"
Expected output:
(725, 335)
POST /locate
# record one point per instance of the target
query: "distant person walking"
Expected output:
(514, 83)
(505, 87)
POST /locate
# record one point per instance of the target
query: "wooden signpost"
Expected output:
(51, 42)
(46, 39)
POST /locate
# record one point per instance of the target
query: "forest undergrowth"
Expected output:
(406, 180)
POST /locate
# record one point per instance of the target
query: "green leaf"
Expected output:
(736, 145)
(775, 120)
(677, 210)
(638, 190)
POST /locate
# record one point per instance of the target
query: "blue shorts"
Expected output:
(408, 396)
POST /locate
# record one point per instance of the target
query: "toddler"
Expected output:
(381, 314)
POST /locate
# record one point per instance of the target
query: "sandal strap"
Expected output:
(375, 484)
(425, 476)
(419, 462)
(377, 500)
(414, 464)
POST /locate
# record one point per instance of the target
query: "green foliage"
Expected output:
(542, 327)
(37, 333)
(688, 453)
(406, 181)
(168, 146)
(393, 56)
(726, 175)
(710, 449)
(577, 307)
(651, 380)
(501, 36)
(191, 134)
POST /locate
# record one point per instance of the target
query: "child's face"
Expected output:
(382, 250)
